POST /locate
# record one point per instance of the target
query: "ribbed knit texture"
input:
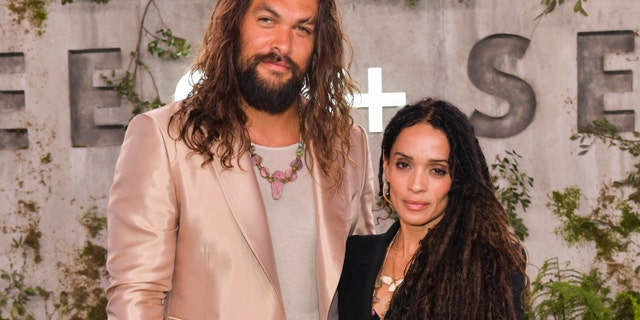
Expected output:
(292, 222)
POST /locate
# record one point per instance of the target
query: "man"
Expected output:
(198, 226)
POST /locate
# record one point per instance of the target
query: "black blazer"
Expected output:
(363, 259)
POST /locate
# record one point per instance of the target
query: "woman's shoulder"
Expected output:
(359, 239)
(362, 248)
(370, 240)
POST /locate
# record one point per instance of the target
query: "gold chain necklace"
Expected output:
(391, 282)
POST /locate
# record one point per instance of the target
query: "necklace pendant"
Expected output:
(394, 285)
(276, 189)
(279, 178)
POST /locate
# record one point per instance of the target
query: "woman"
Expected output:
(450, 254)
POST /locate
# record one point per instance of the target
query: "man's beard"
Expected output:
(269, 97)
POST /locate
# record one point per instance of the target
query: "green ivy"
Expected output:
(512, 187)
(165, 45)
(551, 5)
(614, 222)
(564, 293)
(82, 297)
(16, 296)
(35, 12)
(611, 226)
(168, 46)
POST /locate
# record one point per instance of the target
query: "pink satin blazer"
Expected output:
(192, 242)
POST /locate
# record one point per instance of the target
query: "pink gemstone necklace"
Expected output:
(279, 178)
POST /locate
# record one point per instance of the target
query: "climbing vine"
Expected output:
(164, 45)
(551, 5)
(512, 186)
(35, 12)
(82, 279)
(611, 288)
(560, 291)
(21, 226)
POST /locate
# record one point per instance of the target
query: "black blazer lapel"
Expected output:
(364, 258)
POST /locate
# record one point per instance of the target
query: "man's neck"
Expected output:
(273, 130)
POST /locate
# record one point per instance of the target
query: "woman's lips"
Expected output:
(415, 205)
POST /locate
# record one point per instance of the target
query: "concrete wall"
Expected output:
(537, 78)
(534, 80)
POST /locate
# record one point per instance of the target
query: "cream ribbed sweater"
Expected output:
(292, 225)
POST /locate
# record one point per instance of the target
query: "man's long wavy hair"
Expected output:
(211, 121)
(464, 266)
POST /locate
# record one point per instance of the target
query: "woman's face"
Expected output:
(418, 174)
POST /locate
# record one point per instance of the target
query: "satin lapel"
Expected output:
(241, 191)
(333, 229)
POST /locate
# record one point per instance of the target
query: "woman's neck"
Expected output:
(408, 237)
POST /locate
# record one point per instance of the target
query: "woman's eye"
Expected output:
(402, 165)
(439, 172)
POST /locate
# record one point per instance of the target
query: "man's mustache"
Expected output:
(274, 57)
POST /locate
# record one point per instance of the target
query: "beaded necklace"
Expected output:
(279, 178)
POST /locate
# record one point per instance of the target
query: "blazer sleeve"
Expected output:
(364, 224)
(142, 224)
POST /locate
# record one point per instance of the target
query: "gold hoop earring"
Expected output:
(386, 193)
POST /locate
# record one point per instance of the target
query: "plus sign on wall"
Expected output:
(375, 99)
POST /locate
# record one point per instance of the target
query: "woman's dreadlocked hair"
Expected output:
(464, 266)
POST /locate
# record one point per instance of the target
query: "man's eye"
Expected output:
(265, 20)
(304, 30)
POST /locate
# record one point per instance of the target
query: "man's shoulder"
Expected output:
(159, 117)
(357, 131)
(165, 111)
(359, 141)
